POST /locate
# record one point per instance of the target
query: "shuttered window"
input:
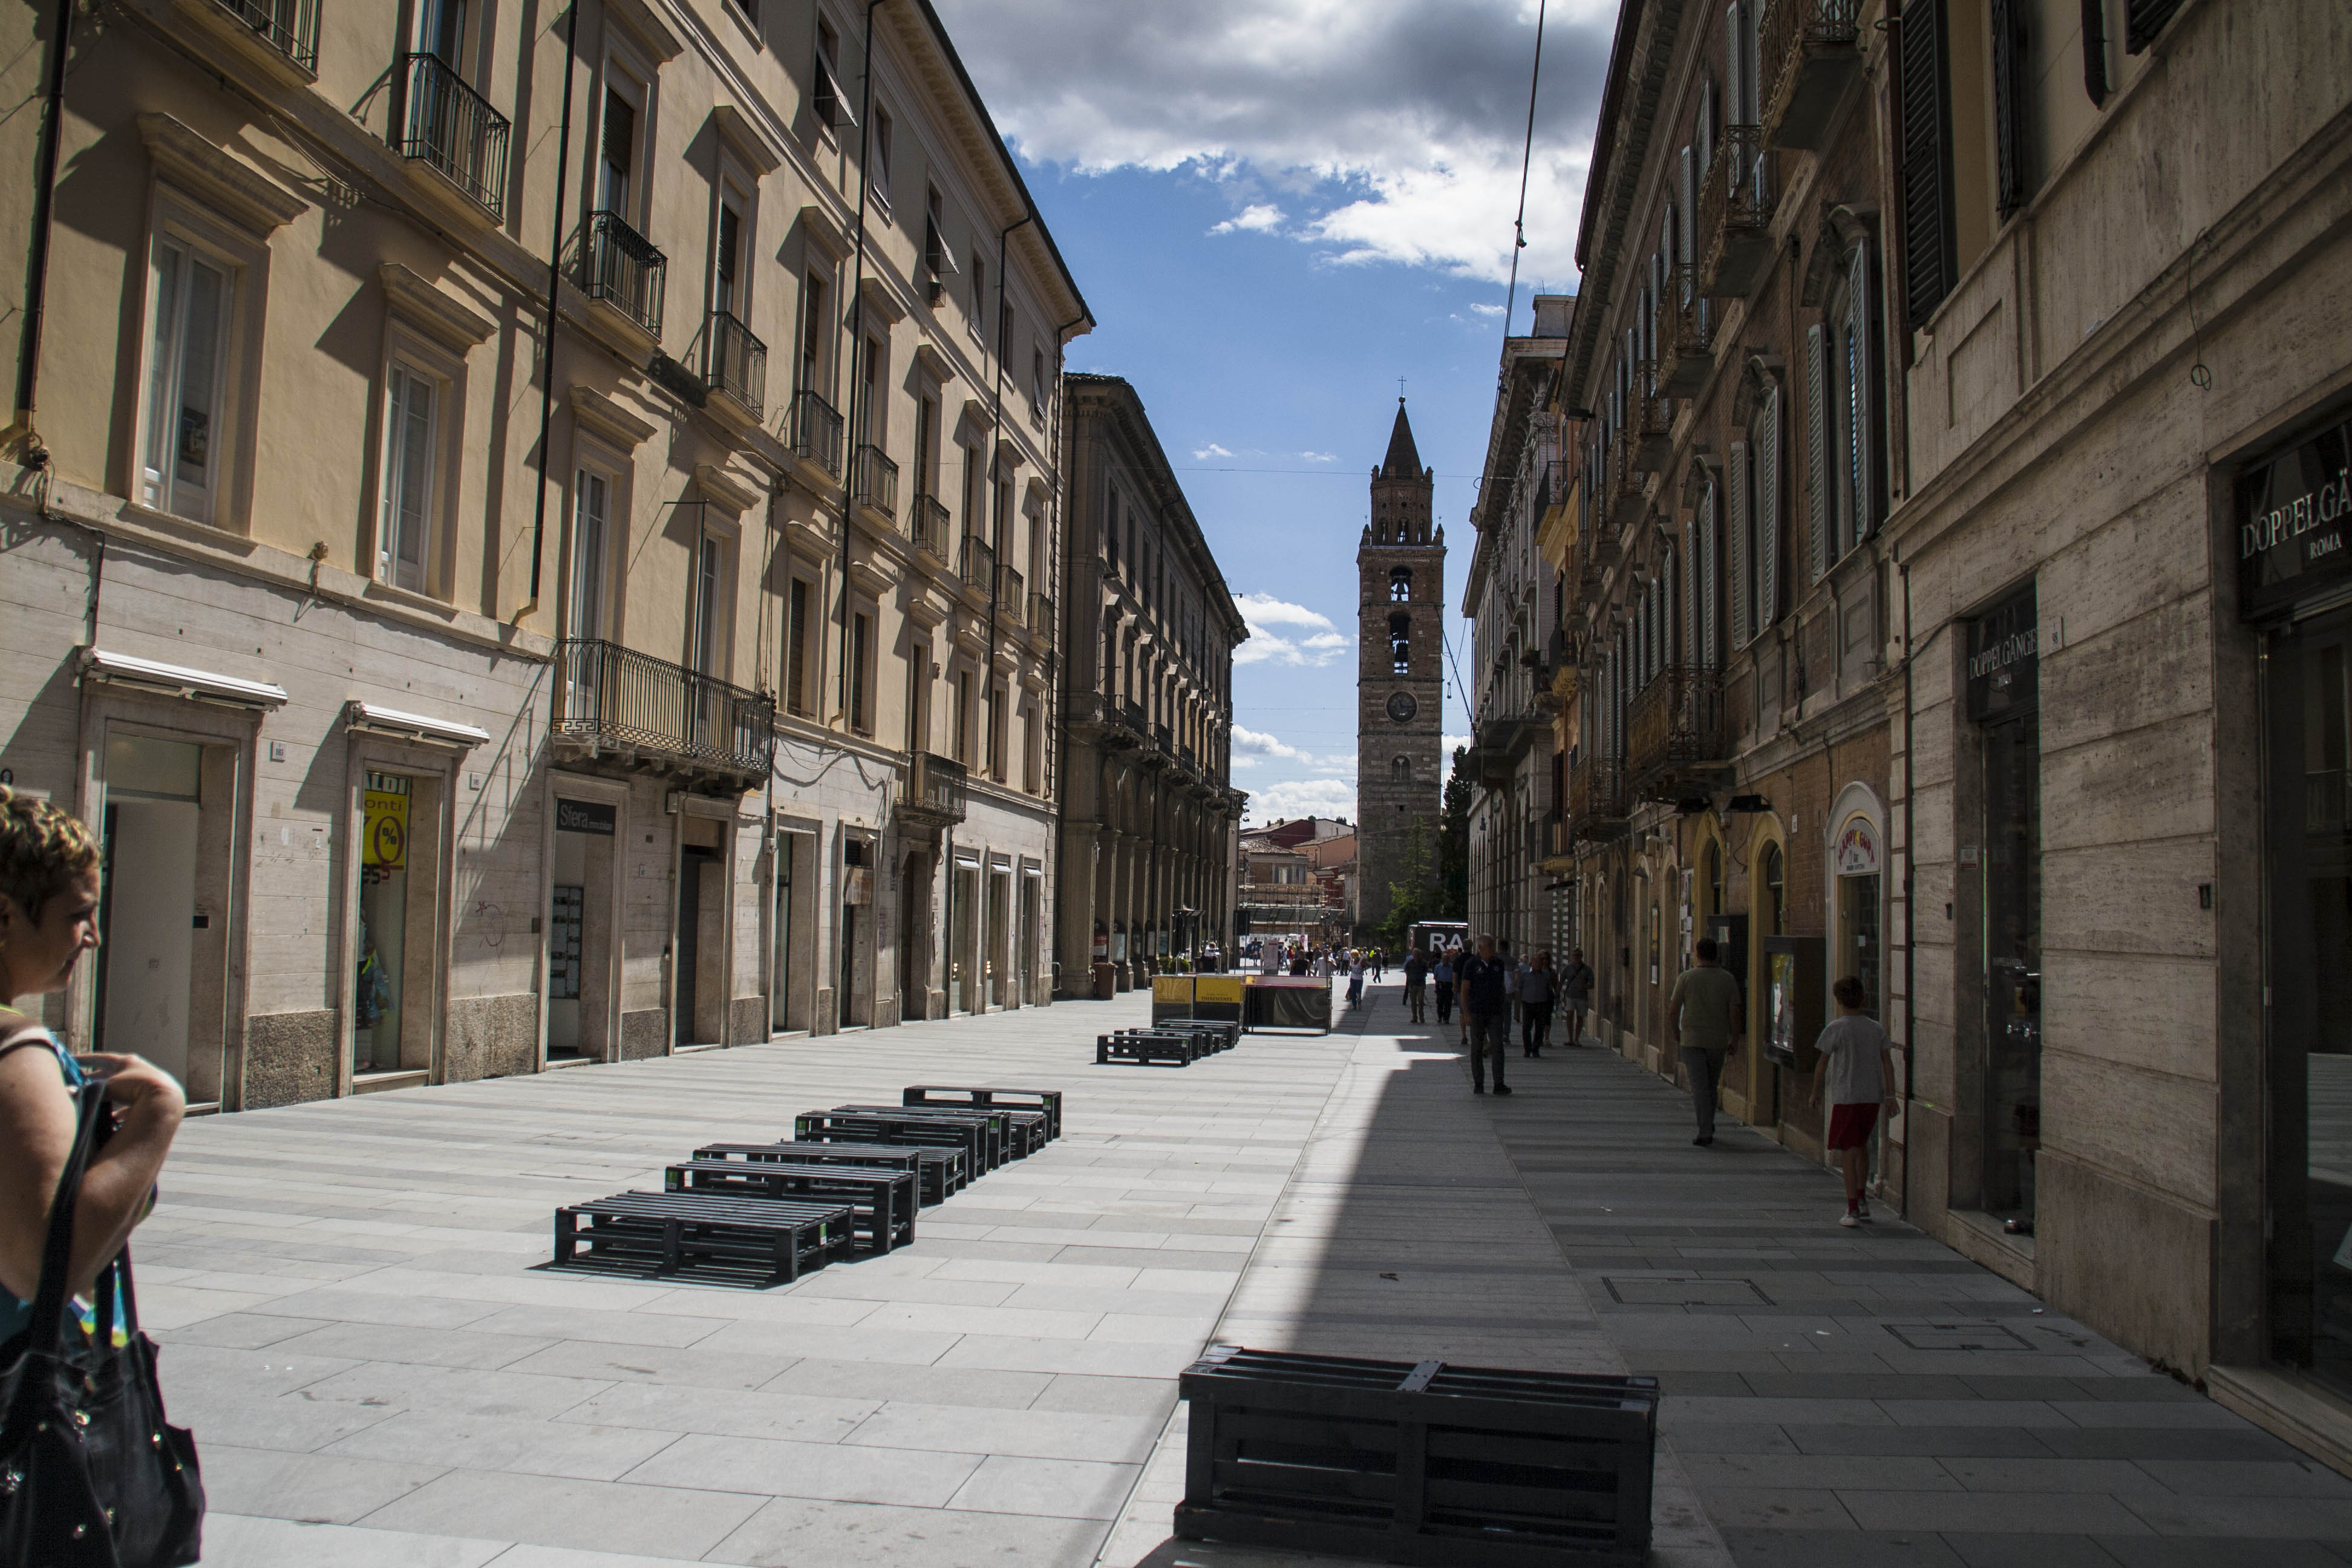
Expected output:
(1687, 254)
(2143, 20)
(1710, 577)
(1929, 246)
(1688, 646)
(1743, 587)
(1821, 499)
(1766, 504)
(2009, 89)
(1860, 374)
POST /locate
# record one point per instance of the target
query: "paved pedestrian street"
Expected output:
(380, 1369)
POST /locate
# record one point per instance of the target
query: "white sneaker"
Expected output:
(1862, 1209)
(1849, 1219)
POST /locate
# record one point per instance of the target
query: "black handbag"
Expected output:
(91, 1474)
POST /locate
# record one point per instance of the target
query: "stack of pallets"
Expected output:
(1179, 1042)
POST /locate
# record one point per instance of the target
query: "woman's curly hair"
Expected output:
(43, 847)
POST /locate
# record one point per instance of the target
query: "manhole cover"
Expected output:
(1654, 1292)
(1980, 1335)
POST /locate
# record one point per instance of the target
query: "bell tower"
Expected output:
(1399, 688)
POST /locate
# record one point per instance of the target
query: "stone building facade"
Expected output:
(482, 680)
(1150, 820)
(1400, 682)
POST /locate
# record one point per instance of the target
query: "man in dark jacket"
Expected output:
(1486, 1013)
(1416, 984)
(1576, 994)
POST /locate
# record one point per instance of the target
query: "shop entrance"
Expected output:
(857, 932)
(999, 965)
(579, 933)
(697, 887)
(2004, 685)
(784, 992)
(1033, 921)
(913, 931)
(146, 954)
(2310, 1059)
(391, 1015)
(964, 993)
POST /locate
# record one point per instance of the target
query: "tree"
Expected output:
(1417, 897)
(1454, 843)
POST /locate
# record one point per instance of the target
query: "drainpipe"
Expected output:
(856, 339)
(547, 330)
(20, 438)
(1910, 906)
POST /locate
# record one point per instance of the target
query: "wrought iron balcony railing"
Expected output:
(624, 269)
(979, 564)
(1011, 596)
(1623, 496)
(1685, 334)
(1127, 713)
(1652, 419)
(1596, 799)
(1041, 615)
(289, 27)
(936, 790)
(816, 431)
(447, 124)
(927, 524)
(1810, 52)
(738, 363)
(1735, 213)
(613, 700)
(1675, 736)
(874, 480)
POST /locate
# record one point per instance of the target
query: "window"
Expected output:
(938, 260)
(814, 335)
(927, 445)
(707, 609)
(590, 503)
(411, 418)
(879, 177)
(1841, 421)
(979, 313)
(1399, 584)
(963, 717)
(861, 655)
(796, 644)
(1401, 644)
(996, 732)
(1033, 762)
(1930, 235)
(826, 100)
(1036, 380)
(1755, 522)
(919, 670)
(185, 383)
(441, 32)
(870, 407)
(618, 159)
(726, 258)
(972, 522)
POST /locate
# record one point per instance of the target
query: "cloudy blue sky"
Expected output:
(1276, 209)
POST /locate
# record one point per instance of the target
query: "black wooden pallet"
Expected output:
(670, 1231)
(1447, 1466)
(899, 1127)
(882, 1203)
(1047, 1101)
(939, 1172)
(1222, 1034)
(1142, 1049)
(1019, 1132)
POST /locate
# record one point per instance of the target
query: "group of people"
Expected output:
(1494, 990)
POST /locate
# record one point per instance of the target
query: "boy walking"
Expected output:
(1857, 1072)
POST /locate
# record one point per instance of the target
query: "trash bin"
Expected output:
(1103, 982)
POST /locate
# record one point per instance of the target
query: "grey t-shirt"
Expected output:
(1707, 996)
(1851, 1043)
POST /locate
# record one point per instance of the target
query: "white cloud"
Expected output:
(1320, 456)
(1264, 609)
(1448, 742)
(1302, 797)
(1324, 640)
(1255, 743)
(1258, 218)
(1324, 644)
(1390, 128)
(1487, 310)
(1211, 450)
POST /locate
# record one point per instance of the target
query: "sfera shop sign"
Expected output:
(2295, 523)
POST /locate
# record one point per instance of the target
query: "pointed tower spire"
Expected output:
(1402, 462)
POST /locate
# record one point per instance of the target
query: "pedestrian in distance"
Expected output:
(1441, 975)
(1576, 994)
(1356, 981)
(1380, 965)
(1416, 986)
(1537, 988)
(1486, 1013)
(1702, 1017)
(1856, 1067)
(1510, 983)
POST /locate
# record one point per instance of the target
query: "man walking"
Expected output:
(1486, 1013)
(1416, 981)
(1576, 994)
(1702, 1018)
(1857, 1070)
(1444, 978)
(1536, 993)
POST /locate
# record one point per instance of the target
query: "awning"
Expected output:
(369, 718)
(178, 680)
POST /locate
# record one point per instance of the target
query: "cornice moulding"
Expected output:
(427, 307)
(607, 418)
(206, 170)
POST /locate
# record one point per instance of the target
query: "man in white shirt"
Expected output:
(1856, 1068)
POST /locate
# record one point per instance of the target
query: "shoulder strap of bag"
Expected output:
(47, 1327)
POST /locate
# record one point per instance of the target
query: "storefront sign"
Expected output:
(1857, 848)
(383, 831)
(584, 817)
(2004, 657)
(2295, 524)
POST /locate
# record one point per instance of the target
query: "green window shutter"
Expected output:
(1820, 500)
(1710, 579)
(1929, 253)
(2009, 92)
(1767, 502)
(1743, 587)
(1861, 390)
(1689, 645)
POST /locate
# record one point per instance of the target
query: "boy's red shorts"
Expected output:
(1850, 1125)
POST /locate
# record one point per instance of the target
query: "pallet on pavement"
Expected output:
(1048, 1101)
(881, 1203)
(995, 1147)
(939, 1172)
(671, 1231)
(1142, 1049)
(1444, 1466)
(1019, 1132)
(1224, 1034)
(902, 1128)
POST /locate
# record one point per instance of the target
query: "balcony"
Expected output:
(1811, 53)
(451, 128)
(1123, 722)
(816, 432)
(1735, 215)
(873, 481)
(1596, 801)
(1011, 596)
(979, 564)
(935, 790)
(1685, 335)
(737, 364)
(1652, 424)
(289, 26)
(1622, 493)
(927, 524)
(613, 702)
(622, 269)
(1163, 747)
(1674, 734)
(1040, 616)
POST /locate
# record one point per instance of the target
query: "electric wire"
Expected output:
(1527, 161)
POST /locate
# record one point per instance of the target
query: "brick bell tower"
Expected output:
(1399, 690)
